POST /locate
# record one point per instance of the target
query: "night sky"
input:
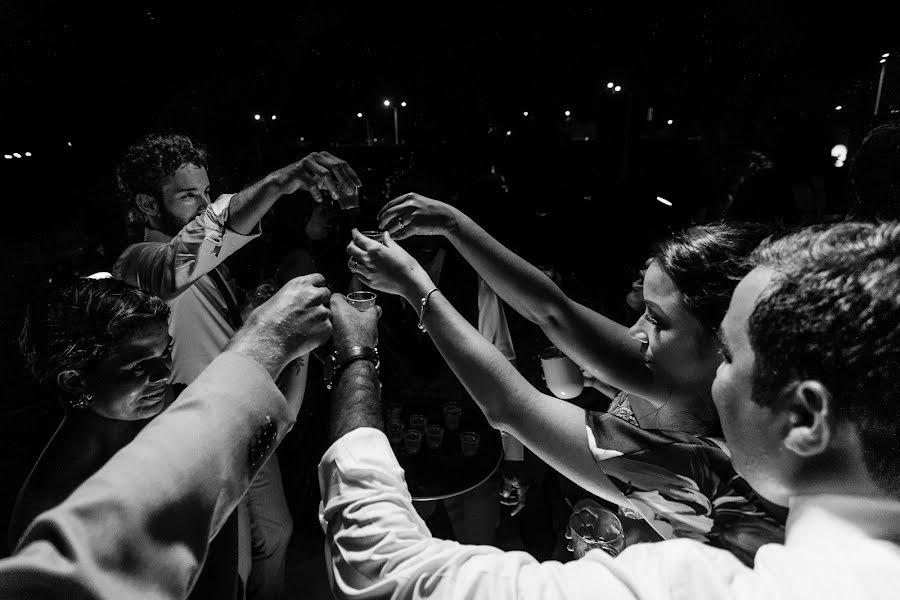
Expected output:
(767, 74)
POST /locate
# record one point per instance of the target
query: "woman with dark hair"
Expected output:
(103, 347)
(678, 479)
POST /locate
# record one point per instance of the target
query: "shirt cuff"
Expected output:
(217, 215)
(347, 462)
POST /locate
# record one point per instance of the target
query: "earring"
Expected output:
(83, 401)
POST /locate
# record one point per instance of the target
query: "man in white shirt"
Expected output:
(809, 402)
(164, 182)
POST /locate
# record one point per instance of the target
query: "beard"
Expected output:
(169, 223)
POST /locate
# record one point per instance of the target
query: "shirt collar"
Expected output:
(155, 235)
(842, 517)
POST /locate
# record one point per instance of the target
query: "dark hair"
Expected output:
(74, 326)
(706, 262)
(149, 162)
(875, 173)
(832, 314)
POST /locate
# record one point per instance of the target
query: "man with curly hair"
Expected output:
(187, 236)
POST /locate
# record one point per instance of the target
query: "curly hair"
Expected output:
(76, 325)
(149, 162)
(832, 314)
(706, 262)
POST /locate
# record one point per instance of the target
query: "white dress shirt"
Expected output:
(378, 547)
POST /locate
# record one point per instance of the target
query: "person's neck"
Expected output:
(113, 433)
(839, 471)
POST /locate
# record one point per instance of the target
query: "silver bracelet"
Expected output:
(422, 311)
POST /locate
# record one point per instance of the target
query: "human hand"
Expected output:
(635, 297)
(319, 169)
(293, 322)
(412, 214)
(516, 482)
(387, 267)
(352, 327)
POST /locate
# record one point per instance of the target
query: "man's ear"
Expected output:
(809, 406)
(72, 382)
(149, 208)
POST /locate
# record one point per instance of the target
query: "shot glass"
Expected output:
(593, 527)
(392, 412)
(452, 413)
(378, 236)
(469, 442)
(395, 433)
(434, 436)
(412, 441)
(418, 422)
(362, 301)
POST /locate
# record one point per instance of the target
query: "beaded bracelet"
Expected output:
(422, 312)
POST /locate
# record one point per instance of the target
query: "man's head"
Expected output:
(875, 173)
(808, 391)
(163, 181)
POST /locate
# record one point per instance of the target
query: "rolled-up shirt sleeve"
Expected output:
(378, 547)
(168, 268)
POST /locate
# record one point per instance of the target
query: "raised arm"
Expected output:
(378, 546)
(551, 428)
(140, 526)
(597, 343)
(167, 267)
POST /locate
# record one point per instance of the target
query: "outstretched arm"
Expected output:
(551, 428)
(597, 343)
(252, 203)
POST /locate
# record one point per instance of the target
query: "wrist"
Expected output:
(419, 285)
(255, 343)
(453, 224)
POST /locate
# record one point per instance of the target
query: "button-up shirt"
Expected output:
(378, 547)
(177, 269)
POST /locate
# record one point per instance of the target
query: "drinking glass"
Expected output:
(434, 436)
(412, 441)
(452, 413)
(362, 301)
(593, 527)
(469, 442)
(563, 376)
(418, 422)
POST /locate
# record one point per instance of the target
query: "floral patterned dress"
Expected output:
(682, 484)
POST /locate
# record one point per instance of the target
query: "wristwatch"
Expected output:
(338, 360)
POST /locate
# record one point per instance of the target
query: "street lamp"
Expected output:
(525, 113)
(883, 63)
(359, 115)
(387, 104)
(257, 117)
(568, 113)
(618, 88)
(610, 85)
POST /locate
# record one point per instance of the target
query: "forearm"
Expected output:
(356, 400)
(552, 429)
(250, 205)
(522, 285)
(595, 342)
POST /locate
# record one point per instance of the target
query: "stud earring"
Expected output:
(83, 401)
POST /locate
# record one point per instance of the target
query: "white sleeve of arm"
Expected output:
(378, 546)
(168, 269)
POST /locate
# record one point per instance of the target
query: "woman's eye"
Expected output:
(725, 355)
(649, 318)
